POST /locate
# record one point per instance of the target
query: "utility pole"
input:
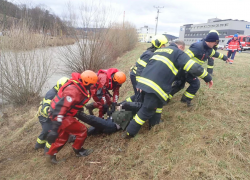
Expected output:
(123, 19)
(158, 11)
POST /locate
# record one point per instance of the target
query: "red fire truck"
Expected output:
(244, 40)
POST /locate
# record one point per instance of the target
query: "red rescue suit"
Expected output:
(71, 98)
(100, 93)
(233, 45)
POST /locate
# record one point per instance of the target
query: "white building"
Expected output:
(145, 34)
(191, 33)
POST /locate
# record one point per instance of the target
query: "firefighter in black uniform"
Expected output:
(43, 115)
(156, 81)
(210, 60)
(199, 52)
(159, 41)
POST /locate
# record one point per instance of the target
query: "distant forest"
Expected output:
(39, 18)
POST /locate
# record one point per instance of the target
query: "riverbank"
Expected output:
(209, 141)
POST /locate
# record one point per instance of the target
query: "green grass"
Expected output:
(209, 141)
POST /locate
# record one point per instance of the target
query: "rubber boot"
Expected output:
(52, 159)
(83, 152)
(46, 150)
(184, 99)
(39, 146)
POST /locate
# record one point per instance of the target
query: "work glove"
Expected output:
(239, 51)
(114, 104)
(232, 50)
(53, 134)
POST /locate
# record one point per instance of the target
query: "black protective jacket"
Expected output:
(160, 72)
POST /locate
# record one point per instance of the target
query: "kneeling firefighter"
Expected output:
(70, 99)
(156, 81)
(44, 117)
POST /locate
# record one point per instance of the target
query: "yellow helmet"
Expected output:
(159, 40)
(60, 83)
(214, 31)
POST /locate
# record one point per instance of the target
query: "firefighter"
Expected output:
(210, 60)
(233, 45)
(159, 41)
(110, 79)
(71, 98)
(199, 52)
(156, 81)
(43, 115)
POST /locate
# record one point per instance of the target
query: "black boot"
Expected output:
(90, 108)
(51, 159)
(184, 99)
(39, 146)
(45, 150)
(83, 152)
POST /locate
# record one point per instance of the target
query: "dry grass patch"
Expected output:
(209, 141)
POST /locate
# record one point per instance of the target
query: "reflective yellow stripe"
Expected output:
(48, 145)
(221, 56)
(41, 141)
(170, 96)
(198, 61)
(142, 63)
(167, 62)
(129, 99)
(210, 66)
(154, 86)
(134, 71)
(191, 96)
(48, 101)
(138, 120)
(188, 65)
(204, 74)
(158, 110)
(190, 53)
(212, 54)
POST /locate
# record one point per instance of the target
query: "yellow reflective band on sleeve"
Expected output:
(138, 120)
(41, 141)
(142, 63)
(154, 86)
(167, 62)
(129, 99)
(134, 71)
(170, 96)
(221, 56)
(188, 65)
(45, 111)
(204, 74)
(48, 101)
(198, 61)
(48, 145)
(187, 94)
(190, 53)
(210, 66)
(158, 110)
(212, 54)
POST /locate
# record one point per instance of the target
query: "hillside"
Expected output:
(208, 141)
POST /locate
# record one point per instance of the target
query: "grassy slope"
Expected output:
(209, 141)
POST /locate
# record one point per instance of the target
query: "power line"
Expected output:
(158, 11)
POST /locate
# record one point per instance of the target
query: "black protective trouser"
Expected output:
(98, 124)
(210, 65)
(151, 110)
(133, 81)
(46, 127)
(194, 85)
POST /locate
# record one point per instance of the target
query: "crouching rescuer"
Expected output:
(70, 99)
(156, 80)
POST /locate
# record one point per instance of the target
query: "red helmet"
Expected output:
(89, 77)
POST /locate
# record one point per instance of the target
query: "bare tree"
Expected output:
(99, 40)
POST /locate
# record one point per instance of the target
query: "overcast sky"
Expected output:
(174, 14)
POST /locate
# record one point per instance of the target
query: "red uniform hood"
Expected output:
(76, 76)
